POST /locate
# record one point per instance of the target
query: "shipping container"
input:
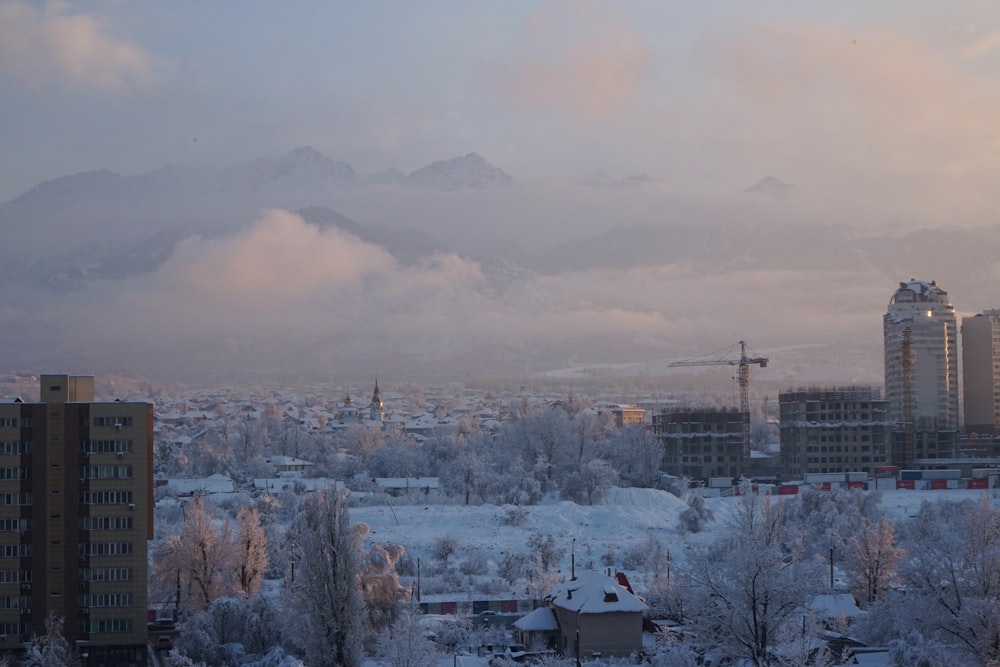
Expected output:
(858, 485)
(983, 473)
(937, 484)
(979, 483)
(941, 474)
(819, 477)
(788, 489)
(911, 475)
(719, 482)
(860, 476)
(905, 483)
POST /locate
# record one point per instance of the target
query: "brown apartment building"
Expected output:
(76, 512)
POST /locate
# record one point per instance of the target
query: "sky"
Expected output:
(893, 101)
(883, 116)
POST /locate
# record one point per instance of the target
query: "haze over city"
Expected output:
(443, 189)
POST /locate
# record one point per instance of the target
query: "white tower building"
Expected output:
(921, 357)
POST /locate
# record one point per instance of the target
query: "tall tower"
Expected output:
(75, 514)
(981, 372)
(921, 362)
(376, 409)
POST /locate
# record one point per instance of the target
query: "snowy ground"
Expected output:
(626, 519)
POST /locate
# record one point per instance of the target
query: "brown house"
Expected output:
(597, 616)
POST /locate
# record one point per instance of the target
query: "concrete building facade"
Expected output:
(981, 373)
(700, 444)
(833, 430)
(921, 371)
(76, 512)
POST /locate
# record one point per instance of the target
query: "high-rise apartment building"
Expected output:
(833, 430)
(921, 364)
(76, 512)
(981, 372)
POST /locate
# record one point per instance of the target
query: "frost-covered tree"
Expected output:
(231, 631)
(198, 559)
(749, 586)
(407, 643)
(950, 577)
(381, 592)
(697, 514)
(590, 483)
(325, 597)
(443, 549)
(873, 558)
(637, 454)
(51, 649)
(250, 550)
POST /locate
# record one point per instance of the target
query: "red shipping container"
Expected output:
(857, 485)
(983, 483)
(906, 484)
(508, 606)
(449, 607)
(824, 486)
(788, 490)
(939, 484)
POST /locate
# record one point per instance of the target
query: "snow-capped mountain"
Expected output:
(469, 171)
(769, 186)
(303, 168)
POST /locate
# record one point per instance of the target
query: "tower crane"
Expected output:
(743, 379)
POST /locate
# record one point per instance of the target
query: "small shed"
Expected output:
(538, 629)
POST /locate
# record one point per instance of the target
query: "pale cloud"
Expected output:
(279, 260)
(576, 61)
(59, 46)
(983, 44)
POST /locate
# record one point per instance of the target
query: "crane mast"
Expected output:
(743, 380)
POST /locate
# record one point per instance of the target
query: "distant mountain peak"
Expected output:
(770, 186)
(467, 171)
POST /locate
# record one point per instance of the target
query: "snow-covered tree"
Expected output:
(637, 454)
(873, 558)
(250, 550)
(51, 649)
(952, 595)
(749, 585)
(697, 514)
(325, 597)
(198, 559)
(381, 592)
(407, 643)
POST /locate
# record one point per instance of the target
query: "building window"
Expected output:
(8, 422)
(15, 447)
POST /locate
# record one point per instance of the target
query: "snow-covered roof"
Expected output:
(920, 291)
(287, 461)
(407, 482)
(832, 605)
(276, 484)
(217, 483)
(595, 593)
(540, 620)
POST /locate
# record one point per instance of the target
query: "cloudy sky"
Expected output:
(892, 100)
(879, 114)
